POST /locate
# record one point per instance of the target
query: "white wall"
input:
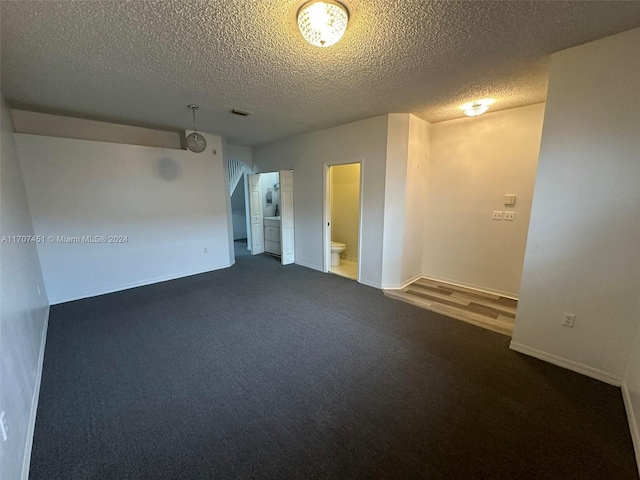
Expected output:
(474, 162)
(392, 148)
(345, 207)
(416, 197)
(307, 154)
(23, 315)
(395, 199)
(244, 154)
(405, 196)
(68, 127)
(582, 249)
(171, 204)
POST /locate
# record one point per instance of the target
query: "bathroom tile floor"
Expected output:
(482, 309)
(347, 268)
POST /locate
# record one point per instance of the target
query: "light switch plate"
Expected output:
(568, 320)
(509, 199)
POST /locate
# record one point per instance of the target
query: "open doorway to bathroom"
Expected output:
(342, 219)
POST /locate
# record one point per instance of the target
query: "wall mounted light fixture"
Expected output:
(322, 23)
(473, 109)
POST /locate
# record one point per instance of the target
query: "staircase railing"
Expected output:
(236, 170)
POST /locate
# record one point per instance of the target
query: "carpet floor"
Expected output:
(261, 371)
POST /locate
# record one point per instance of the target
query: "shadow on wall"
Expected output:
(167, 169)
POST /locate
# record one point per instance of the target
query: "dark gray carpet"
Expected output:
(269, 372)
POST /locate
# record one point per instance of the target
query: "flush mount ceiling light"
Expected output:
(478, 107)
(322, 23)
(195, 142)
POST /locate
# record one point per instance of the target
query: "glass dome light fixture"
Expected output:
(476, 108)
(323, 23)
(195, 142)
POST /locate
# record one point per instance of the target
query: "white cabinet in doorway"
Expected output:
(272, 235)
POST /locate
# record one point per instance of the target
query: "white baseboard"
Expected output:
(434, 278)
(400, 286)
(568, 364)
(633, 424)
(26, 461)
(370, 284)
(127, 286)
(309, 265)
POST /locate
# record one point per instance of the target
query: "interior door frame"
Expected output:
(255, 211)
(287, 217)
(247, 212)
(326, 214)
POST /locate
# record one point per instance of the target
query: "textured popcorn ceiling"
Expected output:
(142, 62)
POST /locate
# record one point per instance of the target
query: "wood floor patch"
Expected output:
(482, 309)
(437, 299)
(509, 302)
(491, 311)
(440, 290)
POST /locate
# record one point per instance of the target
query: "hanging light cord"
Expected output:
(193, 110)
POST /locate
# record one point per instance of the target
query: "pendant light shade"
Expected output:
(195, 142)
(322, 23)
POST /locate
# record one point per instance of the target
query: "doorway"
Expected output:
(271, 215)
(342, 233)
(238, 212)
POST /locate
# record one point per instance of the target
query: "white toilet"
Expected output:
(336, 249)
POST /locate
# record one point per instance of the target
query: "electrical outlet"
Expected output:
(204, 250)
(4, 426)
(496, 215)
(568, 319)
(509, 216)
